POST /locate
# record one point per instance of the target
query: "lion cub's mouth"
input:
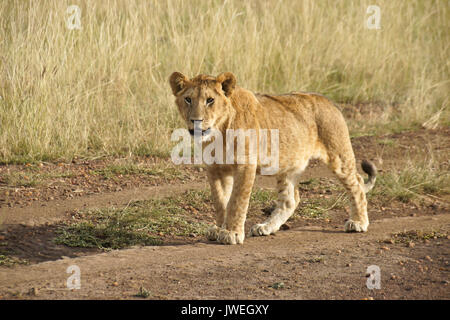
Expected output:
(204, 132)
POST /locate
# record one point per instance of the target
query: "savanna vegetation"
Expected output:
(102, 90)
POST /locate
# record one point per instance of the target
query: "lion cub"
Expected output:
(308, 126)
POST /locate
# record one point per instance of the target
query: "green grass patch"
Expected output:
(143, 293)
(277, 285)
(262, 200)
(31, 177)
(139, 223)
(147, 222)
(135, 169)
(262, 197)
(312, 210)
(318, 208)
(7, 261)
(417, 235)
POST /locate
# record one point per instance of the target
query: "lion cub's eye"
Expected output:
(209, 100)
(188, 100)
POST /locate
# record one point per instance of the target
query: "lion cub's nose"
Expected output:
(197, 126)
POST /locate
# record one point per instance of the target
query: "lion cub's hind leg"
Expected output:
(345, 169)
(288, 199)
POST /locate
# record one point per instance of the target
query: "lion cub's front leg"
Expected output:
(232, 228)
(221, 182)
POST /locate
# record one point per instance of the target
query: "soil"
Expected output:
(309, 259)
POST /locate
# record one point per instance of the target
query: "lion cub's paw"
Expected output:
(355, 226)
(260, 229)
(230, 237)
(213, 233)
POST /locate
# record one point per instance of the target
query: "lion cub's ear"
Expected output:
(177, 82)
(228, 81)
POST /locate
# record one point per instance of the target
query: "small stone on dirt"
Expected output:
(33, 291)
(143, 293)
(411, 244)
(277, 285)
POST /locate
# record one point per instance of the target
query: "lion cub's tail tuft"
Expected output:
(369, 168)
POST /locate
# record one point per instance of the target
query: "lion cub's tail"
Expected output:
(369, 168)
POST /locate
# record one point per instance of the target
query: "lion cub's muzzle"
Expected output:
(202, 132)
(198, 124)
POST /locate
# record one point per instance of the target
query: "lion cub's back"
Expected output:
(305, 121)
(303, 107)
(296, 101)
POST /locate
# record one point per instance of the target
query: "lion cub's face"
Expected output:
(203, 101)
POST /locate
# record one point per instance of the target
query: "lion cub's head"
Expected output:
(203, 101)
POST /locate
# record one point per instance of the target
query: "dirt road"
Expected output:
(312, 259)
(301, 263)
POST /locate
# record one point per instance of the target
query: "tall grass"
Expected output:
(103, 90)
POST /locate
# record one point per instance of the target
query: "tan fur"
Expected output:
(309, 125)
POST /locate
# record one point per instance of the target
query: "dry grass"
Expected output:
(418, 180)
(103, 90)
